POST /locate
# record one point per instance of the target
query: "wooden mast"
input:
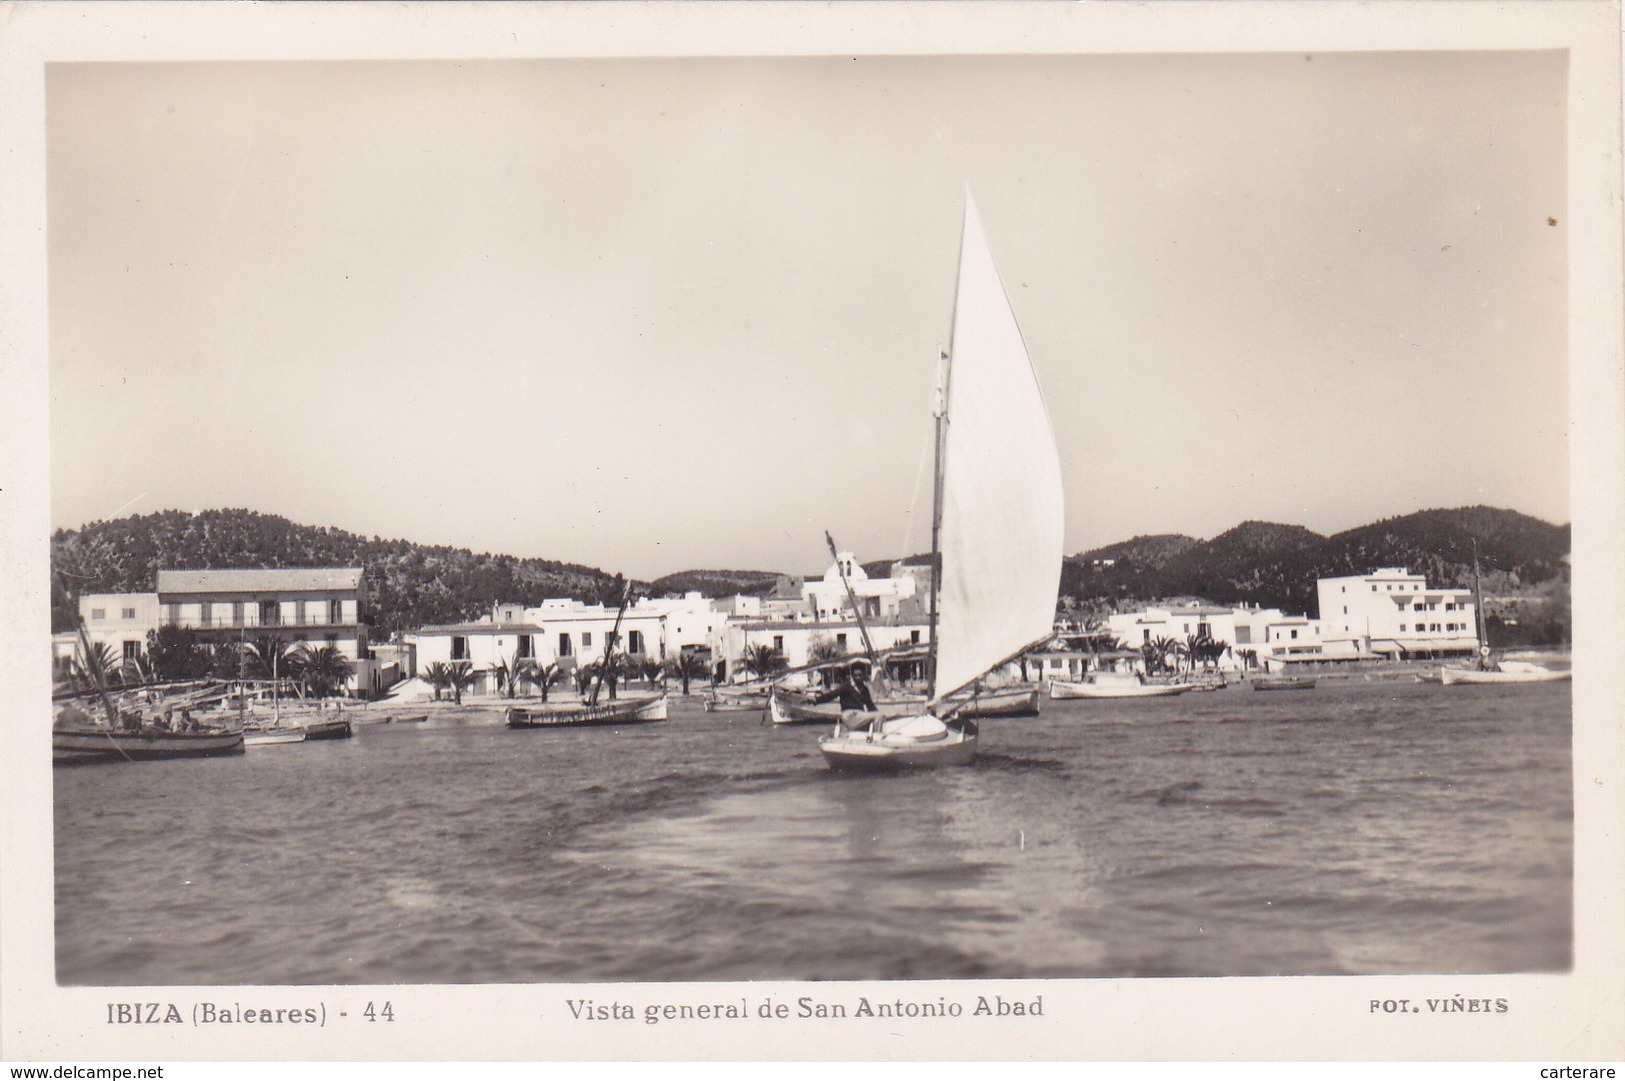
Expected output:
(609, 646)
(852, 599)
(941, 413)
(1478, 611)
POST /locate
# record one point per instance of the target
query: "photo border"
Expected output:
(1565, 1016)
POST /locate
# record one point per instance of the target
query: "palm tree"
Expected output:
(269, 658)
(92, 667)
(546, 676)
(1157, 653)
(438, 676)
(460, 675)
(514, 673)
(687, 667)
(1205, 650)
(324, 671)
(763, 661)
(598, 671)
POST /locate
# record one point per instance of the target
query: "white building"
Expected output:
(795, 640)
(568, 633)
(1393, 613)
(1136, 629)
(876, 598)
(120, 621)
(485, 643)
(1289, 639)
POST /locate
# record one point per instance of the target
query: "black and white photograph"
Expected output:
(614, 531)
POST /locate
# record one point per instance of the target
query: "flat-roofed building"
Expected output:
(1395, 614)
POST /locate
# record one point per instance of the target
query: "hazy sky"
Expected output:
(652, 315)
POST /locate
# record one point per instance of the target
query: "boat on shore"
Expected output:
(1112, 685)
(996, 528)
(1283, 683)
(562, 715)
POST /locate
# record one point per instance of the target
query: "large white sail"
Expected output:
(1001, 534)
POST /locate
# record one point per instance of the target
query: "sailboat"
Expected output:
(996, 526)
(1488, 670)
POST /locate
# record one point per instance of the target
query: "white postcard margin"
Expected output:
(1561, 1017)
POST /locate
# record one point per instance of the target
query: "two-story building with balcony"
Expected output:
(310, 606)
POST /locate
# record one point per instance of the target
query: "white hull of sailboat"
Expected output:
(1522, 674)
(1061, 688)
(895, 747)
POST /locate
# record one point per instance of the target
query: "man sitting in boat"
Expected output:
(852, 692)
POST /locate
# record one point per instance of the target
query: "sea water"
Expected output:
(1359, 828)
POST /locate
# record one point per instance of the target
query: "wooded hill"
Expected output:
(1524, 561)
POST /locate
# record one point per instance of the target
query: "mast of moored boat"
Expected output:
(852, 599)
(1478, 611)
(609, 647)
(941, 414)
(96, 674)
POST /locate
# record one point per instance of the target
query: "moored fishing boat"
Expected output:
(1002, 702)
(1283, 683)
(735, 700)
(621, 712)
(100, 744)
(785, 708)
(996, 527)
(262, 737)
(1107, 685)
(330, 729)
(140, 724)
